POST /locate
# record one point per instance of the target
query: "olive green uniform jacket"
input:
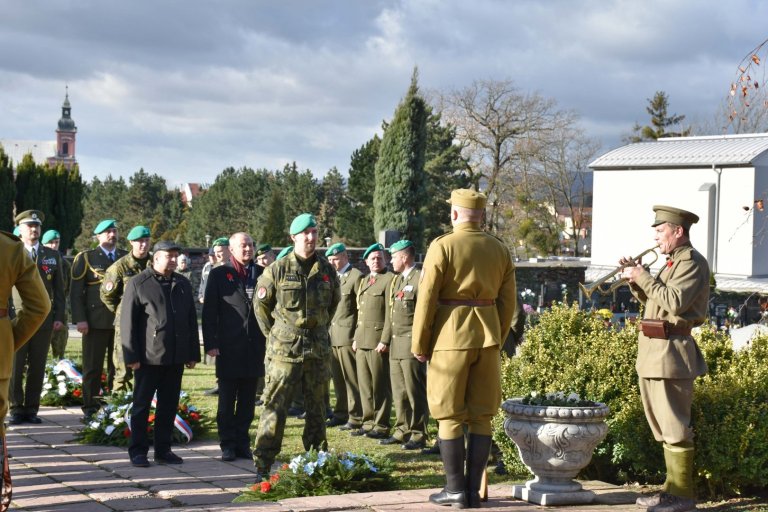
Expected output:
(344, 321)
(680, 295)
(17, 270)
(88, 270)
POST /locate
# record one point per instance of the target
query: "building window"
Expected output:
(65, 148)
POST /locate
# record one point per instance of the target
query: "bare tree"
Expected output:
(495, 124)
(747, 85)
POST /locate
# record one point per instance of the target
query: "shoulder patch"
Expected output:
(261, 293)
(109, 286)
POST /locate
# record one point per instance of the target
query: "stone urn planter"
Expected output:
(555, 442)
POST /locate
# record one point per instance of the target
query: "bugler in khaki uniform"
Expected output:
(93, 319)
(668, 359)
(112, 288)
(348, 410)
(463, 313)
(407, 375)
(16, 270)
(296, 298)
(371, 349)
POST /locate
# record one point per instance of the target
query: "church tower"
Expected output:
(65, 137)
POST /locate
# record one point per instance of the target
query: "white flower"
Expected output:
(62, 389)
(47, 386)
(574, 397)
(94, 425)
(109, 429)
(61, 378)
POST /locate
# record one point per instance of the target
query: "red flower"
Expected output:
(669, 263)
(326, 278)
(284, 466)
(103, 377)
(76, 393)
(151, 418)
(127, 432)
(229, 276)
(265, 487)
(45, 268)
(274, 478)
(194, 416)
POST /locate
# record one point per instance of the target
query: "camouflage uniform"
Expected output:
(59, 338)
(295, 308)
(111, 292)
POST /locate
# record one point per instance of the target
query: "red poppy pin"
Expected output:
(45, 268)
(229, 276)
(669, 264)
(400, 295)
(326, 278)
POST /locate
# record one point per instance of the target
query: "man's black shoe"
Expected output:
(432, 450)
(259, 402)
(390, 440)
(34, 419)
(357, 432)
(413, 445)
(335, 422)
(212, 391)
(374, 434)
(244, 454)
(168, 458)
(294, 411)
(228, 454)
(348, 426)
(446, 497)
(140, 461)
(262, 473)
(16, 419)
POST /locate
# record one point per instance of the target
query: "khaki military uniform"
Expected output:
(59, 338)
(294, 308)
(667, 367)
(348, 407)
(111, 292)
(372, 366)
(463, 314)
(17, 272)
(29, 360)
(88, 271)
(408, 376)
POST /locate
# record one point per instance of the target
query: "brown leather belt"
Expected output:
(3, 313)
(467, 302)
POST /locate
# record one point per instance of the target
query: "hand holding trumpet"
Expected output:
(631, 268)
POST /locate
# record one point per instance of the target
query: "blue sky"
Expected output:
(187, 88)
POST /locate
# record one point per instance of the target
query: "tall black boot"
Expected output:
(478, 450)
(453, 494)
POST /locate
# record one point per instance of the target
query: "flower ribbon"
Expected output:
(181, 425)
(67, 367)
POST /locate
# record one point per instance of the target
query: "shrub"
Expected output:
(572, 351)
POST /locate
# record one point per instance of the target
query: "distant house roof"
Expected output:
(722, 150)
(189, 191)
(41, 150)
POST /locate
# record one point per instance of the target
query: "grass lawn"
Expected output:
(413, 470)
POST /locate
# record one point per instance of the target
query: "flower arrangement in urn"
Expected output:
(555, 434)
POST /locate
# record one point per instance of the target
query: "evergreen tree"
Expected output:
(660, 121)
(332, 190)
(354, 223)
(275, 230)
(400, 180)
(301, 192)
(33, 186)
(7, 192)
(102, 200)
(67, 210)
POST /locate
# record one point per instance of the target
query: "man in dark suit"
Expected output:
(231, 334)
(91, 316)
(30, 359)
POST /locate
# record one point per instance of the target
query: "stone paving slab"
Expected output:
(54, 473)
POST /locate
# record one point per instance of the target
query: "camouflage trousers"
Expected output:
(280, 384)
(59, 343)
(123, 375)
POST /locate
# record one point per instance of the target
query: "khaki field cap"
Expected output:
(30, 217)
(467, 198)
(674, 216)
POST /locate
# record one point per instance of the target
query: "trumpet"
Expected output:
(607, 284)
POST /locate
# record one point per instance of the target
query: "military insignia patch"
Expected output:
(49, 276)
(109, 285)
(261, 293)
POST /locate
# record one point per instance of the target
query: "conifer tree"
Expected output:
(7, 192)
(355, 216)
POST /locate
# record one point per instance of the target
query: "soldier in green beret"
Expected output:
(112, 288)
(467, 299)
(92, 317)
(52, 240)
(264, 255)
(29, 361)
(370, 346)
(348, 410)
(295, 300)
(407, 375)
(668, 358)
(284, 252)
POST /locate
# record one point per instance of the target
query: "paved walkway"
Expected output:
(51, 472)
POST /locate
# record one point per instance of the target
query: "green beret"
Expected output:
(335, 249)
(284, 252)
(104, 225)
(138, 232)
(49, 235)
(302, 222)
(221, 242)
(166, 245)
(674, 215)
(467, 198)
(263, 249)
(16, 231)
(400, 245)
(374, 247)
(30, 217)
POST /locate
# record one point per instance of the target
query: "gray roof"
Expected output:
(16, 149)
(721, 150)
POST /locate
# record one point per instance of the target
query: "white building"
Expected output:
(722, 179)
